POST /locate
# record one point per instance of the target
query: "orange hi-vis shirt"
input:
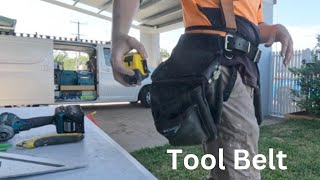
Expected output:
(208, 13)
(249, 9)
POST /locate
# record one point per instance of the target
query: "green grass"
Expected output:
(300, 140)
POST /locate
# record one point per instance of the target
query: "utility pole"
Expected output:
(78, 38)
(78, 28)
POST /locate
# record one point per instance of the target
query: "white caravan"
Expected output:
(29, 75)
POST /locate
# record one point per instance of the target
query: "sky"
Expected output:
(301, 19)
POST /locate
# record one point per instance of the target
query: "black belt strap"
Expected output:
(232, 43)
(236, 44)
(231, 82)
(191, 28)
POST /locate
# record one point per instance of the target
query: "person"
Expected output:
(239, 128)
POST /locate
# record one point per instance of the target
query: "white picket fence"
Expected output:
(281, 99)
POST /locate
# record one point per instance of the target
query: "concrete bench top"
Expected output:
(105, 159)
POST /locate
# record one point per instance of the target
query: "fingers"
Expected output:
(119, 78)
(119, 49)
(288, 52)
(121, 46)
(135, 44)
(284, 47)
(279, 33)
(271, 40)
(116, 62)
(286, 44)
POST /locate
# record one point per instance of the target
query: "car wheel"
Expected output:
(145, 96)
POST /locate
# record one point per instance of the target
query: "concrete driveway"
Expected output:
(130, 125)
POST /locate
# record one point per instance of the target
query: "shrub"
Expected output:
(308, 95)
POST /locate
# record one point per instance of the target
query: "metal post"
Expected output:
(78, 38)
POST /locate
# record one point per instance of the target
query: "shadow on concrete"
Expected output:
(131, 125)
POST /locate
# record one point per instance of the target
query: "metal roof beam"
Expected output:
(149, 4)
(76, 2)
(105, 6)
(170, 23)
(75, 8)
(162, 14)
(176, 24)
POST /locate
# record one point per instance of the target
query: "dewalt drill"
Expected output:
(135, 62)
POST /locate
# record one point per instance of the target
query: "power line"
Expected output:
(78, 37)
(78, 28)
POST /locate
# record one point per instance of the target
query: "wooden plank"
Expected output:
(77, 88)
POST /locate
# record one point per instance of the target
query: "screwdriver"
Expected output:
(51, 139)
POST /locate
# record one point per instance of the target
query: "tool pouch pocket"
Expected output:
(257, 105)
(186, 97)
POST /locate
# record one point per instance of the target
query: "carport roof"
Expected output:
(154, 15)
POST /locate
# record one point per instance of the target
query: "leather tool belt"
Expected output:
(234, 44)
(186, 90)
(186, 94)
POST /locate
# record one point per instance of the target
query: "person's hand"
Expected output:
(121, 45)
(278, 33)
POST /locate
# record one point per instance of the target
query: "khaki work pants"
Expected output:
(238, 130)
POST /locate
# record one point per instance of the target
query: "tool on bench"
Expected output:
(4, 147)
(51, 139)
(69, 119)
(135, 62)
(16, 166)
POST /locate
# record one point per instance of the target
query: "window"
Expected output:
(107, 56)
(71, 60)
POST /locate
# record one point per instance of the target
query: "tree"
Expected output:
(60, 57)
(164, 54)
(70, 63)
(308, 95)
(318, 44)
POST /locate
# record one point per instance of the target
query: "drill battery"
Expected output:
(135, 62)
(69, 119)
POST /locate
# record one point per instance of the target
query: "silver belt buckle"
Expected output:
(226, 42)
(249, 47)
(257, 56)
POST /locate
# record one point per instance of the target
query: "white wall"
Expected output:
(151, 42)
(265, 62)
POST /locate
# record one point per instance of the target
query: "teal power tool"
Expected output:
(69, 119)
(4, 147)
